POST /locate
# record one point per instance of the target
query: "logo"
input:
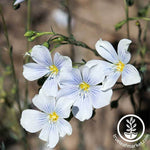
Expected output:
(131, 128)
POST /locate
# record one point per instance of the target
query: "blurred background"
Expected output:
(91, 20)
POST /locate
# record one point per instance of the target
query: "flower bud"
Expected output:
(29, 33)
(46, 44)
(59, 39)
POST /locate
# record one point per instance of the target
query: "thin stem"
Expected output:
(26, 145)
(28, 14)
(81, 145)
(27, 60)
(78, 43)
(123, 92)
(70, 27)
(121, 23)
(11, 60)
(71, 40)
(17, 96)
(145, 32)
(127, 18)
(74, 63)
(139, 34)
(133, 102)
(139, 18)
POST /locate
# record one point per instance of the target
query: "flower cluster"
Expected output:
(69, 89)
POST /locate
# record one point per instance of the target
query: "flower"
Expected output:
(50, 121)
(45, 67)
(61, 18)
(80, 85)
(18, 2)
(117, 64)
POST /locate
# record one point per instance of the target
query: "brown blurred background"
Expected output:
(92, 19)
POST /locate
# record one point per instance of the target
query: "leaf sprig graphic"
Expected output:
(130, 134)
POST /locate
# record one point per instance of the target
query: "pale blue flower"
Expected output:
(81, 87)
(45, 67)
(50, 121)
(18, 2)
(117, 64)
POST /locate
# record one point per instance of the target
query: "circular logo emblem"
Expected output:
(131, 128)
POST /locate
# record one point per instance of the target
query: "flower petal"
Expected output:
(64, 127)
(41, 55)
(85, 73)
(18, 2)
(70, 78)
(93, 75)
(96, 74)
(123, 53)
(130, 75)
(33, 120)
(33, 71)
(44, 103)
(44, 134)
(53, 136)
(62, 61)
(104, 66)
(100, 98)
(110, 80)
(92, 63)
(50, 87)
(106, 50)
(82, 109)
(63, 106)
(72, 92)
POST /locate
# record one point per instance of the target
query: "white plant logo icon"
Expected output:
(131, 125)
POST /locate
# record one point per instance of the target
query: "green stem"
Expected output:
(121, 23)
(127, 17)
(139, 18)
(133, 102)
(27, 60)
(26, 145)
(145, 33)
(11, 60)
(28, 14)
(81, 145)
(78, 43)
(17, 96)
(70, 27)
(44, 33)
(69, 40)
(74, 63)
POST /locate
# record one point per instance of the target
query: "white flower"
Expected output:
(18, 2)
(50, 121)
(61, 18)
(45, 67)
(80, 85)
(118, 64)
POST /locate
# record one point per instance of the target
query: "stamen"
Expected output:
(53, 117)
(120, 66)
(53, 69)
(84, 86)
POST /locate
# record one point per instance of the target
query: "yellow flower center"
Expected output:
(84, 86)
(53, 117)
(120, 66)
(53, 69)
